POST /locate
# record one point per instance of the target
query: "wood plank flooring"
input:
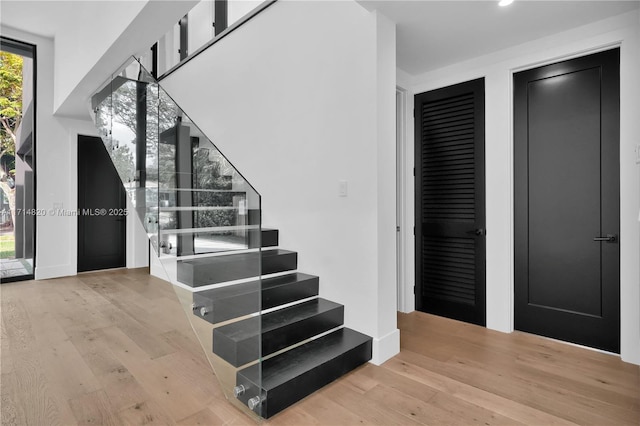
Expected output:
(115, 348)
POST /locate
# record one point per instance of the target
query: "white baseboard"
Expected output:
(631, 356)
(47, 272)
(386, 347)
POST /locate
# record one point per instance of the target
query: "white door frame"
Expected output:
(401, 202)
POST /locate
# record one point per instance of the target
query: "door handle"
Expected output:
(478, 232)
(610, 238)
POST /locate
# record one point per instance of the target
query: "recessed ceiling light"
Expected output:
(505, 2)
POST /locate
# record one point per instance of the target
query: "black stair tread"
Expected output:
(268, 238)
(233, 191)
(253, 286)
(244, 341)
(291, 364)
(238, 300)
(210, 229)
(231, 267)
(273, 282)
(230, 291)
(193, 208)
(265, 323)
(237, 257)
(288, 377)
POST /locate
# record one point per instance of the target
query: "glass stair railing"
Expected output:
(196, 209)
(268, 336)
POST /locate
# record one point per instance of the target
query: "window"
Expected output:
(17, 160)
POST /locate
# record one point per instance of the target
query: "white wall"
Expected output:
(57, 177)
(201, 30)
(298, 105)
(54, 241)
(98, 38)
(498, 69)
(137, 240)
(236, 9)
(85, 37)
(386, 190)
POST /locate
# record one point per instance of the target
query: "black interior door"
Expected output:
(450, 202)
(101, 204)
(567, 202)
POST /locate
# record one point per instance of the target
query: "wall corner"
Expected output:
(386, 347)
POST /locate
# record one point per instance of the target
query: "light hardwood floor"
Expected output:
(116, 348)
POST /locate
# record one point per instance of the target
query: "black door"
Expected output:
(450, 202)
(567, 202)
(101, 207)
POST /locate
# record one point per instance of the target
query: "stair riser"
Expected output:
(290, 293)
(221, 309)
(287, 394)
(199, 275)
(240, 352)
(269, 238)
(281, 263)
(229, 268)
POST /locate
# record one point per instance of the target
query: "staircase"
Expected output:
(299, 336)
(268, 335)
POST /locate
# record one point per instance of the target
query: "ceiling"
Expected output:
(47, 17)
(434, 34)
(43, 18)
(430, 34)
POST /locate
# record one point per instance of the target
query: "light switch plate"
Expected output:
(342, 188)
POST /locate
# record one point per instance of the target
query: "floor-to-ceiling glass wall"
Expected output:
(17, 160)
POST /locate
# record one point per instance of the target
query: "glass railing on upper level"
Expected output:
(206, 21)
(200, 214)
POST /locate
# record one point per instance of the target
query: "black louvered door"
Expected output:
(450, 202)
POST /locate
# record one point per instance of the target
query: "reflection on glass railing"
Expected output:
(201, 216)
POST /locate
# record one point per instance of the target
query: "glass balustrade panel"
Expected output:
(202, 218)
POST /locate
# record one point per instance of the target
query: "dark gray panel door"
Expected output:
(101, 200)
(567, 200)
(450, 202)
